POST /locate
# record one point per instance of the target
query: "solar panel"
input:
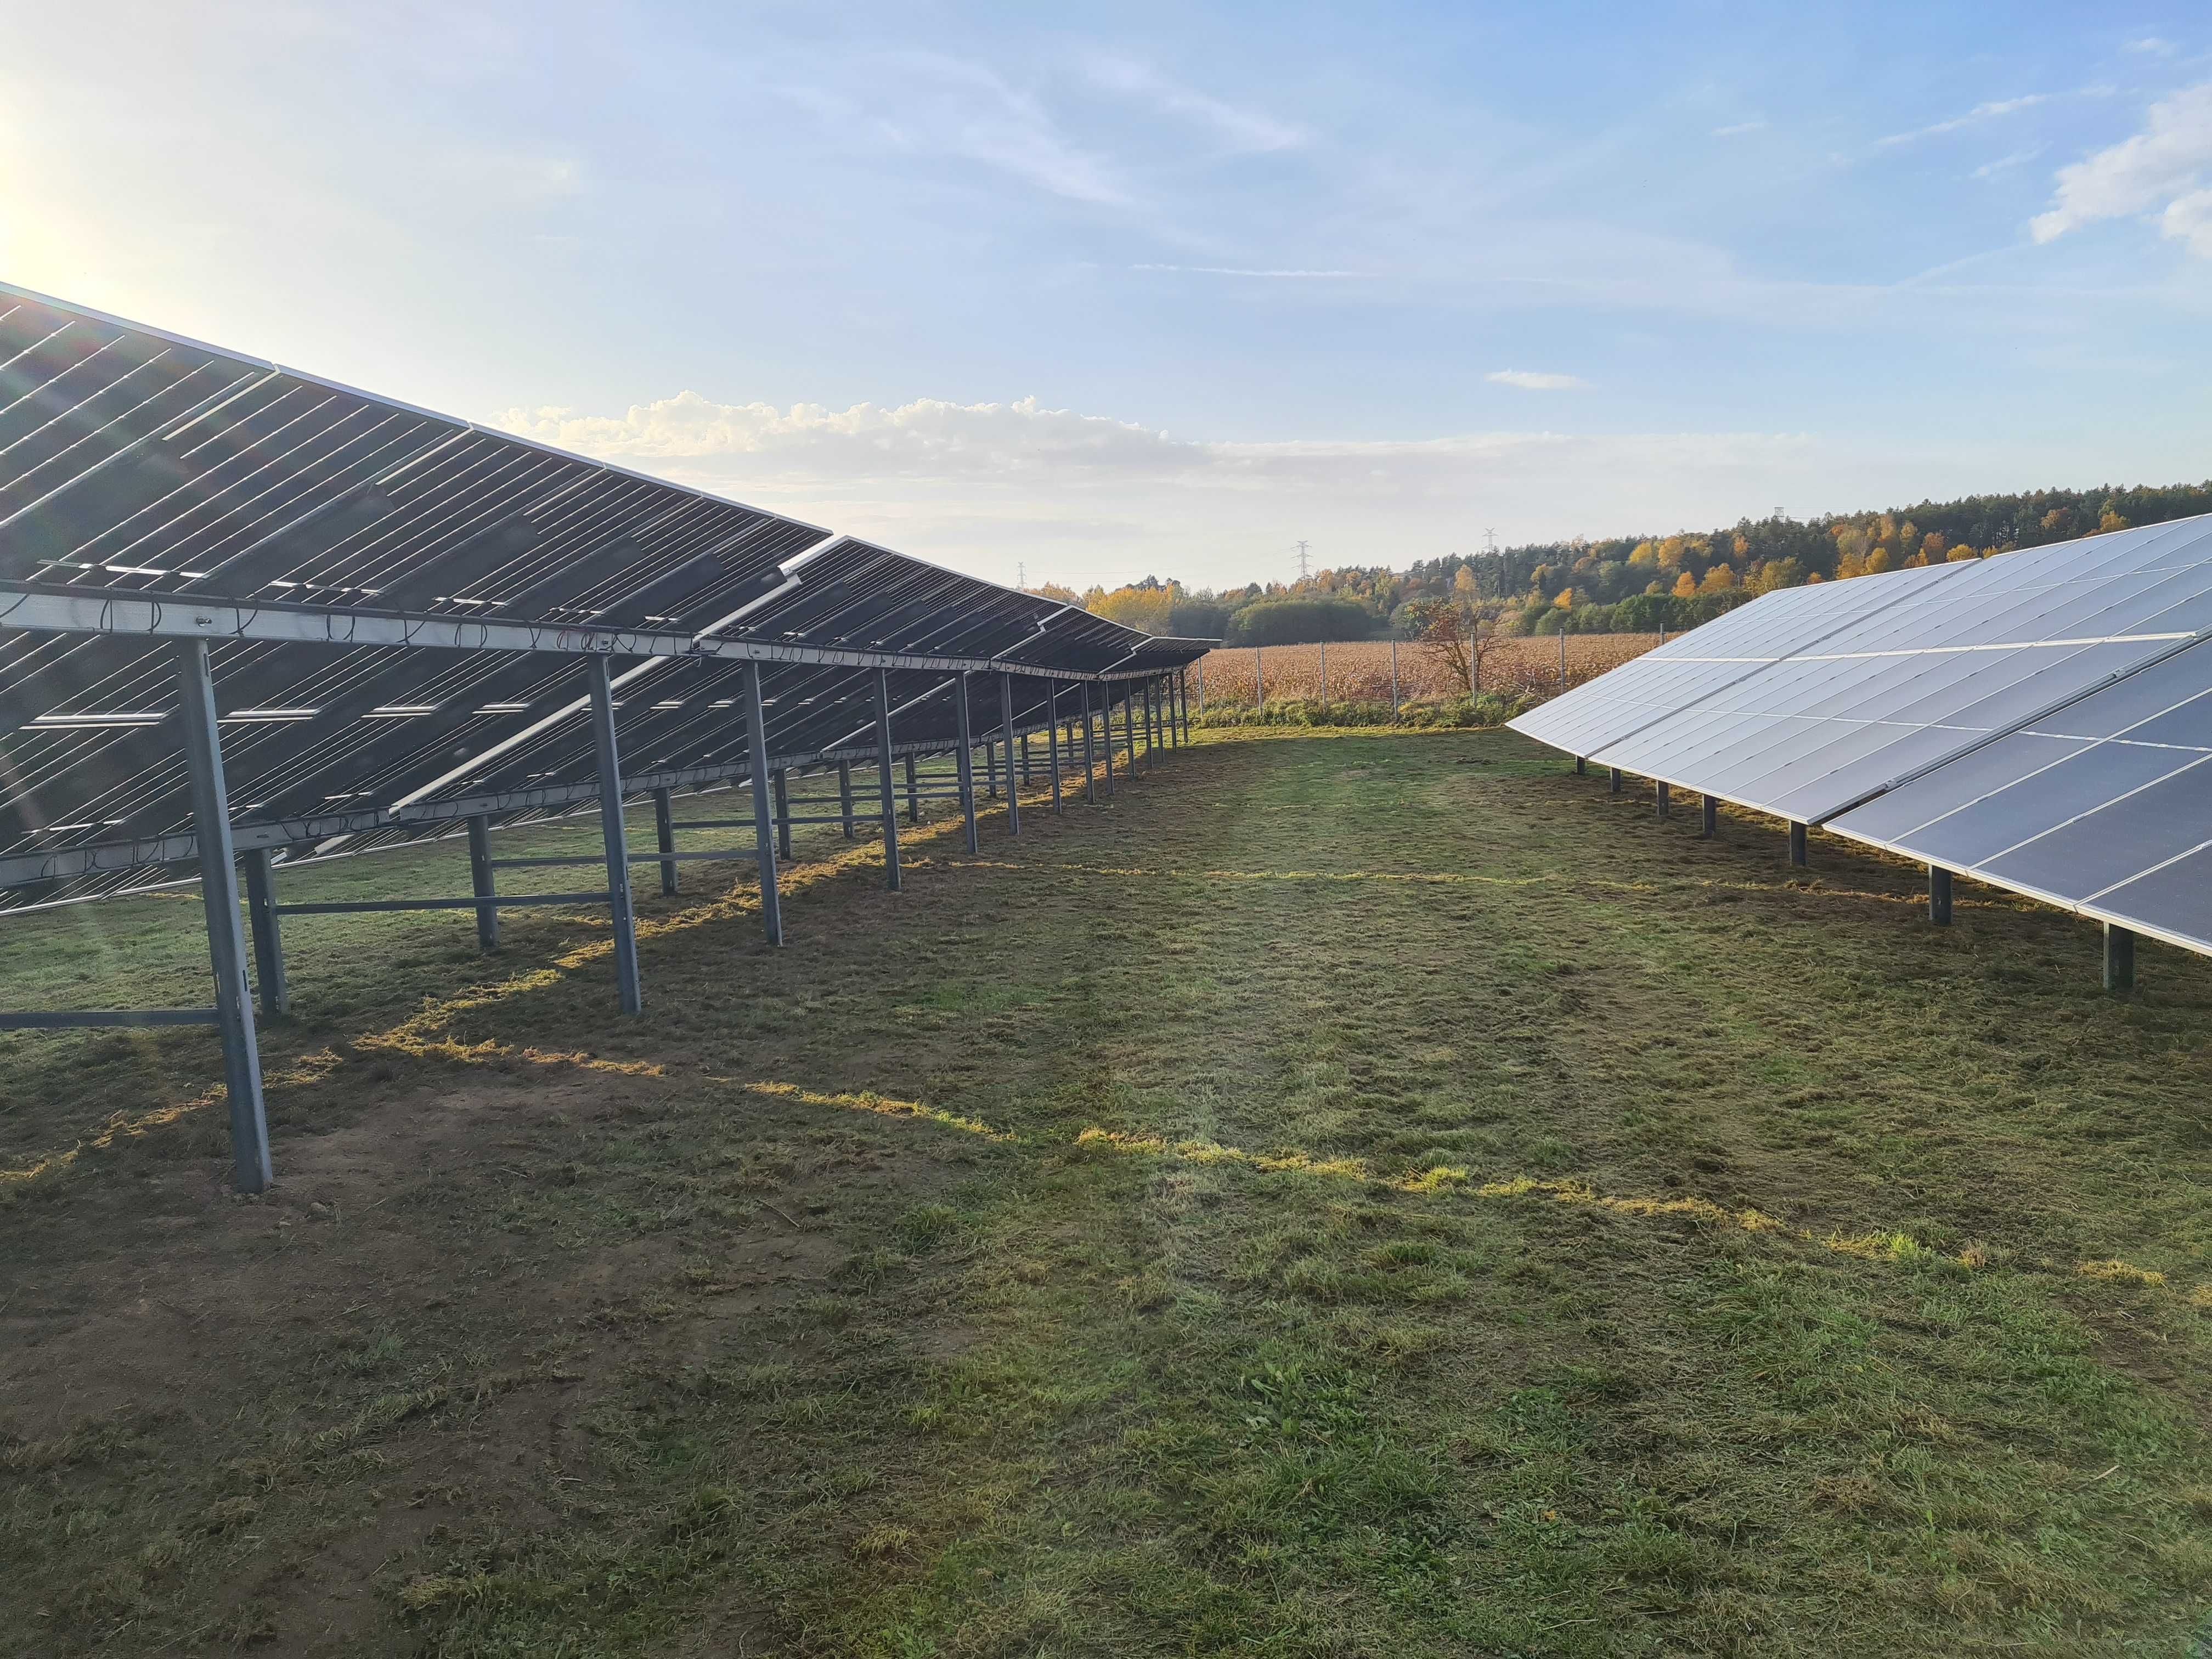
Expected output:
(2040, 720)
(286, 512)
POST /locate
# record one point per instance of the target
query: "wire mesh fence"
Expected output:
(1362, 670)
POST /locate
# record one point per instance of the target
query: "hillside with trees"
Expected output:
(1633, 584)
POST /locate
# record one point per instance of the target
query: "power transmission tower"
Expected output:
(1302, 561)
(1021, 574)
(1490, 541)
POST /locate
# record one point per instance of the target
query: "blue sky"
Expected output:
(1097, 291)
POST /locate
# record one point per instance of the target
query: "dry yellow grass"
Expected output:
(1359, 672)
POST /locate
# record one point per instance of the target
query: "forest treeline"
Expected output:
(1633, 584)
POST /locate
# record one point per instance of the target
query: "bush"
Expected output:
(1300, 621)
(1489, 709)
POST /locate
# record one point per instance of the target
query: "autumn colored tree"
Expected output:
(1456, 640)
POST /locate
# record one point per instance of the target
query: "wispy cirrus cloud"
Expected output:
(2150, 45)
(1241, 270)
(1529, 381)
(2164, 169)
(1974, 117)
(1757, 125)
(932, 105)
(1246, 131)
(2007, 163)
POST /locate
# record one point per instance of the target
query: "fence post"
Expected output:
(1202, 685)
(1324, 670)
(1563, 659)
(913, 793)
(845, 795)
(1259, 679)
(1393, 676)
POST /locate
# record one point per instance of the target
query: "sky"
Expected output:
(1085, 293)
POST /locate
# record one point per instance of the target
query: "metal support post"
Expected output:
(1129, 724)
(967, 762)
(1665, 802)
(845, 794)
(763, 809)
(233, 1008)
(1090, 761)
(1563, 657)
(2119, 958)
(268, 935)
(1939, 896)
(1712, 826)
(1202, 685)
(1581, 767)
(613, 832)
(888, 800)
(1393, 685)
(1324, 670)
(1007, 742)
(913, 793)
(781, 790)
(481, 882)
(1613, 781)
(1797, 844)
(1025, 760)
(1052, 717)
(663, 837)
(1259, 678)
(1106, 731)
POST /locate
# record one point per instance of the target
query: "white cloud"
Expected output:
(1240, 270)
(1980, 112)
(1530, 381)
(2188, 220)
(1084, 497)
(1242, 131)
(2151, 46)
(2007, 163)
(1740, 128)
(2161, 167)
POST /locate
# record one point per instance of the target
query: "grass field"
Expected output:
(1359, 671)
(1355, 1194)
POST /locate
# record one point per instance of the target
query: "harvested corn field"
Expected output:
(1359, 671)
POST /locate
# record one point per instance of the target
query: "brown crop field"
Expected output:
(1359, 672)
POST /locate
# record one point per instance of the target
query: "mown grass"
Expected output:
(1357, 1193)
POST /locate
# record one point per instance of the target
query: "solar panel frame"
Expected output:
(287, 513)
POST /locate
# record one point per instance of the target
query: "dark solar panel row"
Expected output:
(136, 466)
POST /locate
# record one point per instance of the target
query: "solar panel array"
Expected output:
(2038, 720)
(144, 478)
